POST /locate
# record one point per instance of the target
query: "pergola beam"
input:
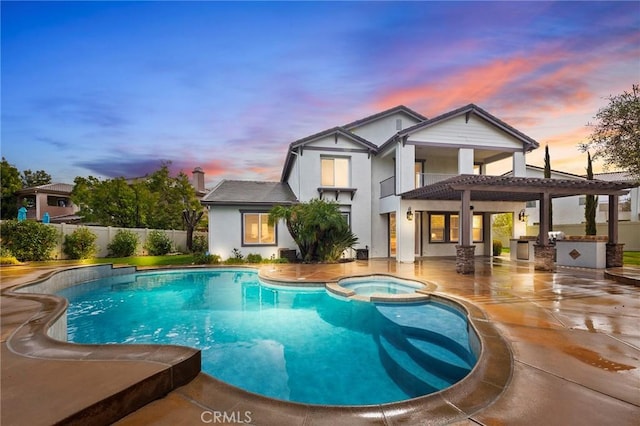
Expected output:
(555, 191)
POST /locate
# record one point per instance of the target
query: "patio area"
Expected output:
(573, 336)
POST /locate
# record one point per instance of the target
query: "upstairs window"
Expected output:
(335, 172)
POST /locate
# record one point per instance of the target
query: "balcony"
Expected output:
(388, 186)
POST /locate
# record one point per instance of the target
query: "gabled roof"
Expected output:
(239, 192)
(391, 111)
(338, 131)
(52, 188)
(467, 109)
(334, 131)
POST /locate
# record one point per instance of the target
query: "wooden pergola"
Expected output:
(468, 188)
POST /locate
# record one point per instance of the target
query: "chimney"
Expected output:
(198, 180)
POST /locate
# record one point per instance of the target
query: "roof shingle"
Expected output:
(237, 192)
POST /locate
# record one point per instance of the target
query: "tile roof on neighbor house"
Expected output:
(240, 192)
(615, 176)
(619, 176)
(53, 188)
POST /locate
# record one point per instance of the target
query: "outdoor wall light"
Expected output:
(409, 214)
(522, 216)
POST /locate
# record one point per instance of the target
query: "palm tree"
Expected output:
(318, 228)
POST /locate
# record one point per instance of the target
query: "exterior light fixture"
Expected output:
(409, 214)
(522, 216)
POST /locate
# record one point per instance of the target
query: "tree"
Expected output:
(11, 182)
(547, 175)
(37, 178)
(171, 197)
(502, 227)
(156, 201)
(111, 202)
(616, 133)
(191, 219)
(591, 204)
(318, 228)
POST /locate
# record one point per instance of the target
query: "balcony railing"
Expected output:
(425, 179)
(388, 186)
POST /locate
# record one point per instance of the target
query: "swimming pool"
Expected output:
(296, 344)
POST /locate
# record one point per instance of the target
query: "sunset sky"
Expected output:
(114, 88)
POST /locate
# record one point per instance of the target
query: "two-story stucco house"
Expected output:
(372, 168)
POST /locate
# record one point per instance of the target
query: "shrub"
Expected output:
(200, 244)
(6, 257)
(206, 259)
(254, 258)
(124, 244)
(29, 240)
(158, 243)
(80, 244)
(497, 248)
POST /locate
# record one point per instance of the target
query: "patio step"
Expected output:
(624, 275)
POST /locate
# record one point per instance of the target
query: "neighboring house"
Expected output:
(370, 168)
(53, 198)
(570, 210)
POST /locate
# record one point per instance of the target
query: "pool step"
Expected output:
(412, 377)
(445, 362)
(428, 340)
(436, 353)
(456, 350)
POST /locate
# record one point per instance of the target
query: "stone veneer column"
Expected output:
(465, 259)
(614, 255)
(544, 257)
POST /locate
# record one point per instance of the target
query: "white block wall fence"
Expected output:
(106, 233)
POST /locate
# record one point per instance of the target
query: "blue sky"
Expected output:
(114, 88)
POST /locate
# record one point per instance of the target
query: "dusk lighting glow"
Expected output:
(114, 88)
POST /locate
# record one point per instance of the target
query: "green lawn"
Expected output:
(631, 258)
(178, 259)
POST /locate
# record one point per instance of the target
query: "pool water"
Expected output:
(379, 285)
(300, 345)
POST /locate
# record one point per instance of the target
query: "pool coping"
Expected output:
(181, 365)
(167, 367)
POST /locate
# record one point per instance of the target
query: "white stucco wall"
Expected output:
(225, 233)
(476, 133)
(381, 130)
(359, 207)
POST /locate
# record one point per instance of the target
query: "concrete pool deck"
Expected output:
(574, 337)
